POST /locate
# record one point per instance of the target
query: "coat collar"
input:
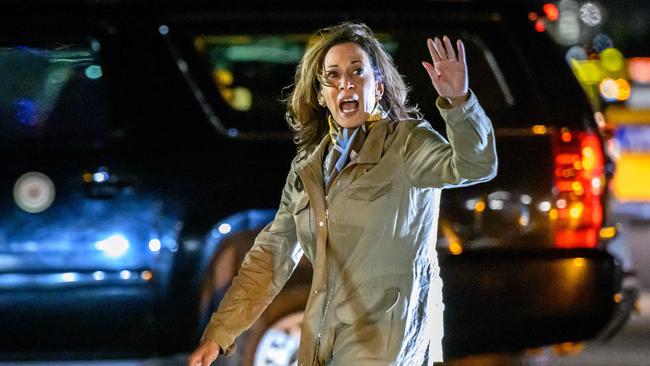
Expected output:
(370, 152)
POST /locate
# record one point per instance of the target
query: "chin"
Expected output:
(351, 122)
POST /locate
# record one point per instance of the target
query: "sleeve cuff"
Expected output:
(227, 351)
(459, 113)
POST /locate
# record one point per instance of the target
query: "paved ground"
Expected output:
(631, 347)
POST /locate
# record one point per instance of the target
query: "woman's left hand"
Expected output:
(449, 70)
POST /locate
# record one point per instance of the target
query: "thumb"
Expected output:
(433, 74)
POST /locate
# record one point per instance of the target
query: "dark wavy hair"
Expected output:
(306, 118)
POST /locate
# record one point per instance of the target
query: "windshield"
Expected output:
(51, 91)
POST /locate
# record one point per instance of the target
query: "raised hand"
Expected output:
(448, 72)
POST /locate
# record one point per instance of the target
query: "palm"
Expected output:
(448, 72)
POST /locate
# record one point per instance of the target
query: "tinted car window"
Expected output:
(51, 92)
(252, 72)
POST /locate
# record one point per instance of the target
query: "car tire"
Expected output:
(288, 306)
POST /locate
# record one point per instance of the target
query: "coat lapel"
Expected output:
(311, 170)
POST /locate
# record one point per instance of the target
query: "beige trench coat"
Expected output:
(376, 294)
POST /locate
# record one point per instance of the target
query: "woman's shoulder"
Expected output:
(405, 127)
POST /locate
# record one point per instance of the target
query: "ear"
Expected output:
(379, 90)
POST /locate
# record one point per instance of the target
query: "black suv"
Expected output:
(143, 145)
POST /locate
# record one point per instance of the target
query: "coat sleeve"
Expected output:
(264, 271)
(469, 157)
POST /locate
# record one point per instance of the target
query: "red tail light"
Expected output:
(578, 186)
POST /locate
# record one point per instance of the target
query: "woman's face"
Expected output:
(353, 90)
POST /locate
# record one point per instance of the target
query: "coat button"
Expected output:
(320, 223)
(315, 292)
(365, 171)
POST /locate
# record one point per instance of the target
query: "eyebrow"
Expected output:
(353, 62)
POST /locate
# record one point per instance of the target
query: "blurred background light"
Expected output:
(99, 275)
(608, 89)
(115, 246)
(93, 72)
(601, 41)
(154, 245)
(125, 275)
(639, 69)
(224, 228)
(590, 14)
(100, 177)
(612, 59)
(568, 26)
(68, 277)
(551, 11)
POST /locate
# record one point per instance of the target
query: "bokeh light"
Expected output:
(590, 14)
(551, 11)
(611, 59)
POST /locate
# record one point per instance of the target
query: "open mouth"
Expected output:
(349, 106)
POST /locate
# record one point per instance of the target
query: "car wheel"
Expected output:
(274, 338)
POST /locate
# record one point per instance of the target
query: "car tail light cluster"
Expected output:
(577, 215)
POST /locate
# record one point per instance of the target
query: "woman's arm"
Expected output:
(264, 271)
(470, 155)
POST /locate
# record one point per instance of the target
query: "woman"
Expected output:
(361, 200)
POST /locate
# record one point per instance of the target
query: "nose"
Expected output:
(345, 82)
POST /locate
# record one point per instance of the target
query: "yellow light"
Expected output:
(146, 275)
(616, 115)
(579, 262)
(223, 77)
(624, 89)
(199, 44)
(539, 129)
(523, 220)
(577, 188)
(567, 348)
(611, 59)
(552, 214)
(632, 176)
(480, 206)
(577, 165)
(587, 71)
(588, 158)
(607, 232)
(576, 210)
(455, 248)
(87, 177)
(618, 298)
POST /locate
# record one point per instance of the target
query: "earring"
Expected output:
(321, 102)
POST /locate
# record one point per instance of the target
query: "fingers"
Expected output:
(449, 49)
(461, 51)
(443, 50)
(208, 359)
(437, 44)
(202, 357)
(432, 50)
(433, 73)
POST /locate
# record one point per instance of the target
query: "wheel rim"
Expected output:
(278, 346)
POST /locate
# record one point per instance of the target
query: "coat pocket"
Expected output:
(368, 305)
(299, 208)
(368, 191)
